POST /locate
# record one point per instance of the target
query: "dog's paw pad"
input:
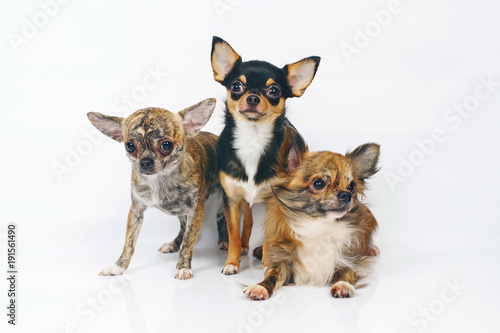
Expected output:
(183, 274)
(168, 248)
(223, 245)
(372, 251)
(230, 269)
(244, 250)
(256, 293)
(112, 270)
(342, 289)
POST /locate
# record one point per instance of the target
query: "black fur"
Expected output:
(257, 73)
(228, 162)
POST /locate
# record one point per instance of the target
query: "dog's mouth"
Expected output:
(252, 114)
(342, 210)
(146, 172)
(336, 211)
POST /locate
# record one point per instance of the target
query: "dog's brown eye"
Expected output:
(352, 186)
(167, 146)
(274, 91)
(319, 184)
(130, 147)
(237, 88)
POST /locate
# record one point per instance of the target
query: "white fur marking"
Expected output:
(342, 289)
(183, 274)
(167, 248)
(112, 270)
(250, 142)
(155, 182)
(230, 270)
(141, 131)
(256, 293)
(321, 250)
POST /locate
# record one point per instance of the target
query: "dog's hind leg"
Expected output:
(193, 227)
(222, 229)
(175, 245)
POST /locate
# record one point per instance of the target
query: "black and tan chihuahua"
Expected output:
(251, 143)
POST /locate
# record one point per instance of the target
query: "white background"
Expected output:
(436, 202)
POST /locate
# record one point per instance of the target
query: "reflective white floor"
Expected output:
(428, 283)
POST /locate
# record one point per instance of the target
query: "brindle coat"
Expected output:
(178, 182)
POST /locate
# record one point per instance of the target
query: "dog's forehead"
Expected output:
(257, 74)
(152, 122)
(330, 164)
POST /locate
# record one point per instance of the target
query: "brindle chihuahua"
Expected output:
(174, 170)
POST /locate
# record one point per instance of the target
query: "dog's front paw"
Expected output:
(223, 245)
(342, 289)
(372, 251)
(230, 269)
(244, 250)
(112, 270)
(183, 274)
(256, 293)
(168, 248)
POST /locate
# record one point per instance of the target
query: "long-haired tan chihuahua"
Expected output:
(173, 169)
(317, 230)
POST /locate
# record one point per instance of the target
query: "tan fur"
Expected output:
(268, 112)
(222, 67)
(247, 226)
(294, 200)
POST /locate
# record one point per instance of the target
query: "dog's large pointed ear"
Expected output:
(296, 151)
(196, 116)
(365, 159)
(224, 59)
(300, 74)
(108, 125)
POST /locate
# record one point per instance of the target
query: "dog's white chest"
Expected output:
(252, 193)
(155, 195)
(250, 143)
(321, 250)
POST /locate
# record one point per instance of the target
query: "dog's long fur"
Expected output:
(174, 170)
(252, 139)
(314, 237)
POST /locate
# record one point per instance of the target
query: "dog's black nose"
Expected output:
(253, 100)
(147, 164)
(344, 196)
